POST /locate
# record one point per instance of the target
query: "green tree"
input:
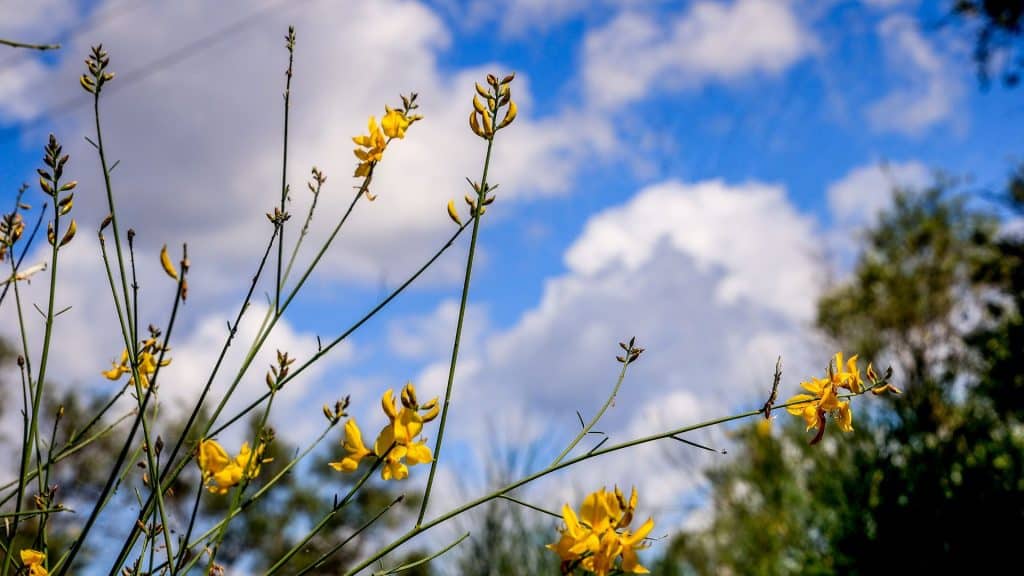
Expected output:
(934, 478)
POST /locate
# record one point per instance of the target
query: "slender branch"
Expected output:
(597, 417)
(477, 210)
(40, 47)
(323, 557)
(281, 216)
(421, 528)
(422, 561)
(348, 332)
(327, 517)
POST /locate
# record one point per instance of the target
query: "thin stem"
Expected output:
(327, 517)
(41, 47)
(530, 506)
(421, 528)
(422, 561)
(481, 195)
(597, 417)
(65, 563)
(69, 449)
(40, 384)
(323, 557)
(27, 245)
(250, 501)
(348, 332)
(284, 167)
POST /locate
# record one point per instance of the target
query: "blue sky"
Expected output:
(692, 173)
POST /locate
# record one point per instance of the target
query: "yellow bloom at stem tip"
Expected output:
(370, 148)
(149, 352)
(34, 560)
(399, 444)
(597, 538)
(221, 472)
(823, 398)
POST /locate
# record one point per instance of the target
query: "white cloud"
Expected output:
(200, 141)
(750, 218)
(856, 200)
(865, 191)
(712, 305)
(429, 335)
(637, 53)
(926, 93)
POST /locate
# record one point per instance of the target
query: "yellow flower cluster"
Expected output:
(483, 120)
(824, 396)
(148, 353)
(221, 472)
(600, 535)
(398, 444)
(35, 561)
(370, 148)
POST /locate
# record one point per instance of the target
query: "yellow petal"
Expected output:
(165, 261)
(453, 213)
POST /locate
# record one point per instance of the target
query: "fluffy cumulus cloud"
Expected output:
(638, 52)
(712, 306)
(924, 91)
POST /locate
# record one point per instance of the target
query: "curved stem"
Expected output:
(419, 529)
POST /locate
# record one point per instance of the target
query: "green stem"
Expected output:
(597, 417)
(284, 170)
(348, 332)
(481, 195)
(421, 528)
(327, 517)
(323, 557)
(249, 502)
(14, 44)
(33, 430)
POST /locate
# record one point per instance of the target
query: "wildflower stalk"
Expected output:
(53, 151)
(327, 517)
(421, 561)
(40, 47)
(250, 465)
(421, 528)
(27, 244)
(66, 562)
(348, 332)
(281, 216)
(337, 547)
(170, 474)
(247, 503)
(319, 179)
(597, 417)
(70, 448)
(477, 212)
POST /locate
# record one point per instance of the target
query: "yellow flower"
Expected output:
(34, 561)
(850, 377)
(220, 472)
(354, 448)
(594, 541)
(399, 443)
(370, 148)
(147, 363)
(394, 123)
(824, 397)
